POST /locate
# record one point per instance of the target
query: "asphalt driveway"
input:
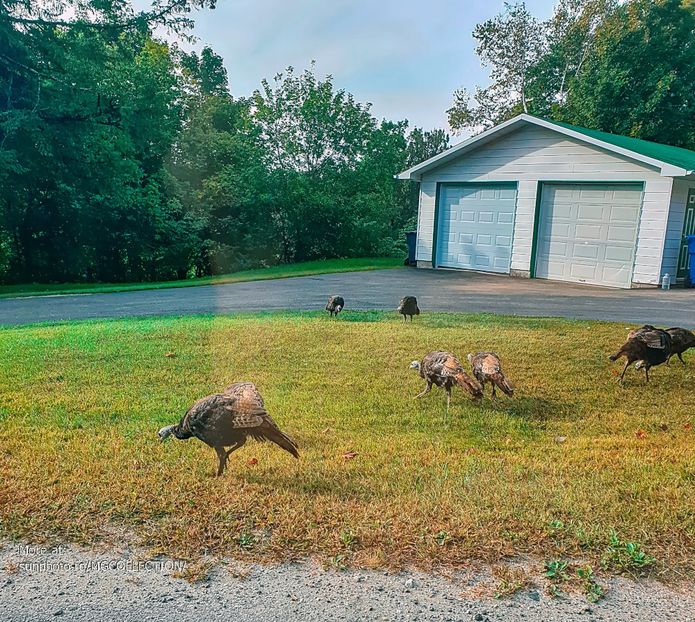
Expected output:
(381, 289)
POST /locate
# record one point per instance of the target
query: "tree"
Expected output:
(89, 111)
(570, 37)
(639, 78)
(510, 44)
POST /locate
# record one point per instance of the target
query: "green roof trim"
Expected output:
(677, 156)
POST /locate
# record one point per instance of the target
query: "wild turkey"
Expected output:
(647, 346)
(487, 368)
(445, 370)
(408, 307)
(681, 340)
(229, 419)
(335, 305)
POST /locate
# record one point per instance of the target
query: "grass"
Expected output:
(306, 268)
(81, 402)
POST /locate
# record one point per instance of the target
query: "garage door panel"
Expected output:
(588, 233)
(618, 233)
(586, 251)
(481, 219)
(624, 214)
(590, 212)
(620, 254)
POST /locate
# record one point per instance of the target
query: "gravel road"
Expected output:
(436, 290)
(79, 585)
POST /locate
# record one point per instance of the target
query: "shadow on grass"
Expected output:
(538, 409)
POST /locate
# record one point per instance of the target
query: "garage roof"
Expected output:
(672, 161)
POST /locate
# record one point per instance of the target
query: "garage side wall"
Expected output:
(534, 154)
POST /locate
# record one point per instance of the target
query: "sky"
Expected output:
(403, 56)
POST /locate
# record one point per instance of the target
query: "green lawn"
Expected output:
(306, 268)
(80, 460)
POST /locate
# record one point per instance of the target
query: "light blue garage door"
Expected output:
(476, 226)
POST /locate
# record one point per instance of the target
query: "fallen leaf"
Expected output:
(560, 439)
(687, 427)
(252, 461)
(170, 355)
(471, 451)
(641, 434)
(349, 455)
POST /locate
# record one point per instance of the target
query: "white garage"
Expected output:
(541, 199)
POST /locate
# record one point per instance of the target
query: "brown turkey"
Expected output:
(445, 370)
(335, 305)
(229, 419)
(408, 307)
(646, 347)
(488, 368)
(681, 340)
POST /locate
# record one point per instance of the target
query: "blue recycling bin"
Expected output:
(411, 238)
(690, 239)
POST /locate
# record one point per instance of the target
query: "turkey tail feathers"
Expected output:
(503, 384)
(468, 383)
(277, 436)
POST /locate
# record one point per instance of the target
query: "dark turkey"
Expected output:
(335, 305)
(445, 370)
(488, 368)
(681, 340)
(408, 307)
(647, 347)
(229, 419)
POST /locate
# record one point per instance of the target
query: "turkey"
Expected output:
(681, 340)
(229, 419)
(647, 346)
(444, 370)
(408, 307)
(487, 368)
(335, 305)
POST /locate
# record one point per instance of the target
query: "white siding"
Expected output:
(534, 154)
(674, 229)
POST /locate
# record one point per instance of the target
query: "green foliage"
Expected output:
(556, 570)
(123, 158)
(592, 589)
(625, 556)
(622, 67)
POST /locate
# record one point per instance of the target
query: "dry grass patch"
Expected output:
(80, 404)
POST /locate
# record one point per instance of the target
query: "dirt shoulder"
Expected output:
(76, 585)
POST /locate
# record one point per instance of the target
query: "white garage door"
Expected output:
(476, 225)
(588, 232)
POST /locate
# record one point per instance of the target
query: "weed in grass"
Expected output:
(556, 570)
(246, 540)
(591, 588)
(510, 580)
(338, 562)
(348, 538)
(442, 537)
(625, 556)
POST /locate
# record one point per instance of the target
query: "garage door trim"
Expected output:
(438, 207)
(592, 182)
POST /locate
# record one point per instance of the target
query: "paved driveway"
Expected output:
(381, 289)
